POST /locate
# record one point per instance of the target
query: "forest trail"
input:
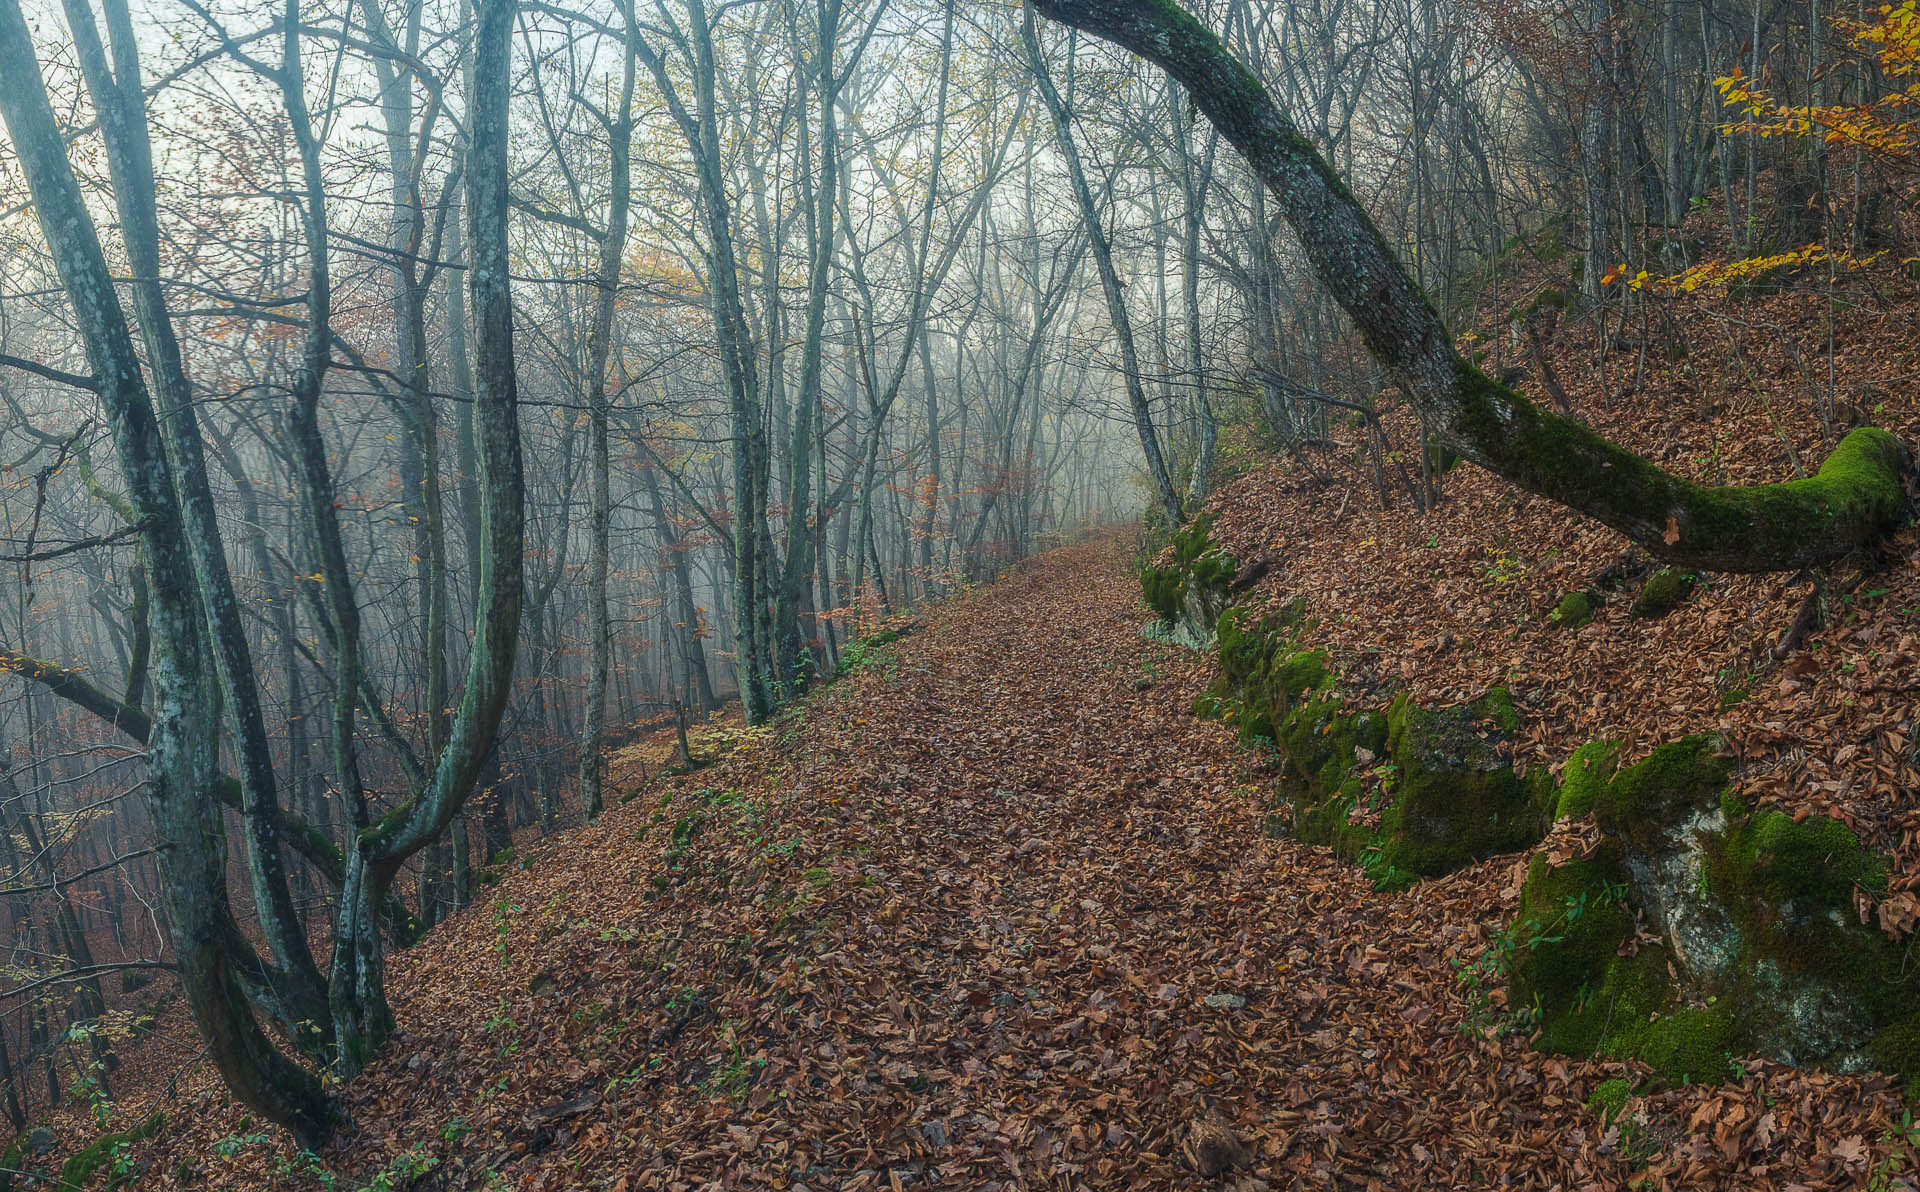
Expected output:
(998, 912)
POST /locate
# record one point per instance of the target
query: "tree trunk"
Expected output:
(613, 242)
(295, 980)
(362, 1019)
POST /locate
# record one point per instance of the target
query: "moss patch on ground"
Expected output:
(1574, 610)
(1664, 591)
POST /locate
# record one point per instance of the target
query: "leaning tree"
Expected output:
(1858, 496)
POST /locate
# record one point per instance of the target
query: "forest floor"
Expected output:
(997, 911)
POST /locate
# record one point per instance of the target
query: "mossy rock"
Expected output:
(1574, 610)
(14, 1159)
(1164, 589)
(1244, 650)
(1565, 967)
(1664, 591)
(1457, 797)
(1290, 677)
(1193, 540)
(1896, 1048)
(1320, 739)
(1755, 917)
(1191, 592)
(1587, 773)
(1551, 298)
(1669, 786)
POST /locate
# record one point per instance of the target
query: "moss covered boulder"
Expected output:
(1755, 947)
(1575, 973)
(1457, 797)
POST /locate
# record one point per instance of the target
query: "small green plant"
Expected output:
(1496, 962)
(401, 1170)
(1502, 568)
(1903, 1156)
(503, 913)
(734, 1077)
(92, 1087)
(869, 653)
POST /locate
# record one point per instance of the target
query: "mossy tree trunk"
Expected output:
(1856, 499)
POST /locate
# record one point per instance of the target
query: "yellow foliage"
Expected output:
(1718, 275)
(1888, 126)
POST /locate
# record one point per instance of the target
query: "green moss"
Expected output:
(1291, 677)
(1565, 967)
(1574, 610)
(1496, 708)
(1243, 650)
(1164, 589)
(1198, 568)
(1776, 960)
(1609, 1098)
(101, 1151)
(1570, 925)
(1666, 590)
(1456, 798)
(1588, 771)
(1213, 572)
(1319, 738)
(1896, 1048)
(1193, 540)
(12, 1160)
(1673, 782)
(1856, 497)
(1694, 1044)
(1817, 862)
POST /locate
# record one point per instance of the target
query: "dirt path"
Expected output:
(998, 913)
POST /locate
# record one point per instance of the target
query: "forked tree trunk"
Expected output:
(1856, 499)
(362, 1019)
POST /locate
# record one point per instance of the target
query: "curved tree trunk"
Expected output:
(1858, 497)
